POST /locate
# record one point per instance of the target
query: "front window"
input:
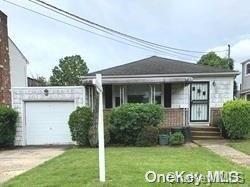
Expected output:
(119, 95)
(157, 91)
(248, 69)
(138, 93)
(144, 93)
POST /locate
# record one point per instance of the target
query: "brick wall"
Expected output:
(5, 95)
(215, 114)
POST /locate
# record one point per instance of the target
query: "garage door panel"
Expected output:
(47, 122)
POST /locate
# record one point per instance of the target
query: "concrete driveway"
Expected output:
(17, 161)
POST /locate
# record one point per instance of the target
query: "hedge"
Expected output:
(8, 119)
(80, 122)
(236, 118)
(127, 121)
(93, 136)
(148, 137)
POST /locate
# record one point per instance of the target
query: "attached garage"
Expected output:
(47, 122)
(44, 114)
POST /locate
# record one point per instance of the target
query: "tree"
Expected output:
(69, 71)
(212, 59)
(42, 81)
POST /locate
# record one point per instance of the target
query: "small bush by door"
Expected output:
(8, 119)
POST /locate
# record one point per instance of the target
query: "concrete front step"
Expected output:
(206, 138)
(205, 133)
(205, 128)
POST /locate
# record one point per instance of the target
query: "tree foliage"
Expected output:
(69, 71)
(212, 59)
(42, 81)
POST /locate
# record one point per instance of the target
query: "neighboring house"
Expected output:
(43, 112)
(245, 86)
(33, 82)
(191, 94)
(13, 64)
(18, 66)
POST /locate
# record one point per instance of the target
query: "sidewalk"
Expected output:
(220, 148)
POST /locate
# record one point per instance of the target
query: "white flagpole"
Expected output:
(100, 129)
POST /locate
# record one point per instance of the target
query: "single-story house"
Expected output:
(191, 94)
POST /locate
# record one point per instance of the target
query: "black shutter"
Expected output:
(108, 96)
(167, 95)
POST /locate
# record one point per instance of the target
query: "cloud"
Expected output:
(194, 25)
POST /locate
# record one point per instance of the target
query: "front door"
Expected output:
(199, 102)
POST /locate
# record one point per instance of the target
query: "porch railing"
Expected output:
(175, 117)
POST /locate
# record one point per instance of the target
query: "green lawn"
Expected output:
(125, 166)
(241, 145)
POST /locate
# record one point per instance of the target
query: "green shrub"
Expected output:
(236, 118)
(8, 119)
(148, 136)
(127, 121)
(93, 136)
(176, 138)
(219, 123)
(80, 122)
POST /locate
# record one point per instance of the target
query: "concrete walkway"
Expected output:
(220, 148)
(17, 161)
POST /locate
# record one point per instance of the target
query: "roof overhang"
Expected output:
(230, 73)
(248, 60)
(155, 78)
(140, 80)
(245, 91)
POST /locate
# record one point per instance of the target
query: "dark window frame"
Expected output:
(248, 97)
(248, 69)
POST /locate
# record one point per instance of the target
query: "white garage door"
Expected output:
(47, 122)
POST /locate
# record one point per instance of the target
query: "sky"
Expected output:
(201, 25)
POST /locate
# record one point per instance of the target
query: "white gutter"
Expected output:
(141, 80)
(167, 75)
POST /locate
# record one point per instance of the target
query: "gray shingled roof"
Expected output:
(159, 65)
